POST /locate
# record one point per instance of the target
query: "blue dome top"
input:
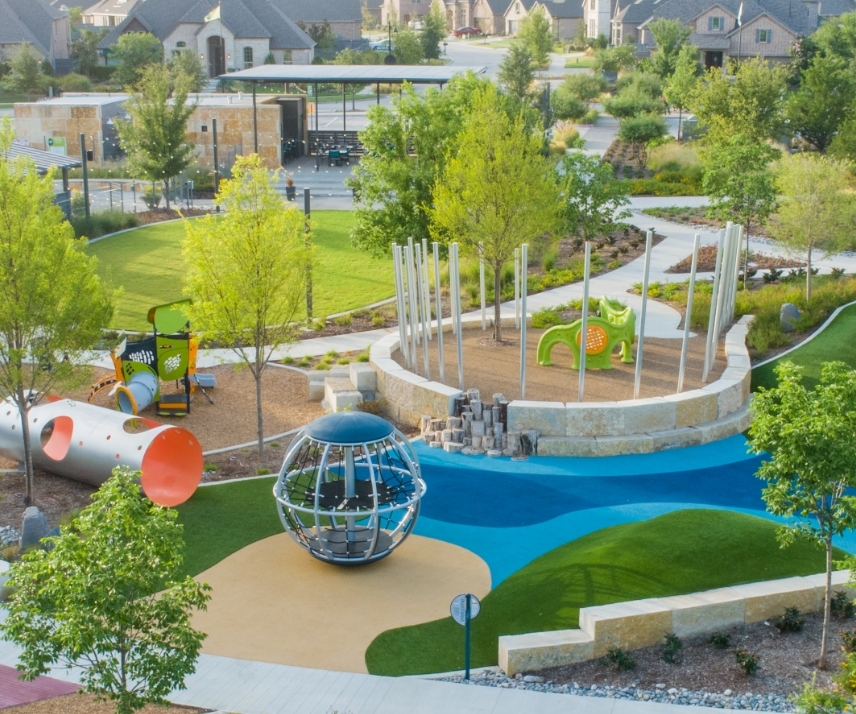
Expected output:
(349, 428)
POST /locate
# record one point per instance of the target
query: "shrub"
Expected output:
(363, 357)
(343, 320)
(262, 471)
(790, 620)
(209, 468)
(838, 273)
(621, 659)
(378, 321)
(343, 360)
(772, 275)
(305, 362)
(102, 223)
(848, 639)
(632, 103)
(549, 260)
(318, 325)
(672, 648)
(75, 83)
(152, 197)
(568, 107)
(322, 366)
(721, 640)
(672, 155)
(613, 264)
(842, 606)
(590, 117)
(585, 87)
(288, 360)
(748, 662)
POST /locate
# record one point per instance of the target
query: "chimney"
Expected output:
(813, 6)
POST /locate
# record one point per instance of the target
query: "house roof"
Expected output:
(791, 14)
(316, 11)
(527, 5)
(43, 160)
(563, 9)
(245, 18)
(636, 11)
(28, 21)
(835, 8)
(712, 41)
(498, 7)
(111, 7)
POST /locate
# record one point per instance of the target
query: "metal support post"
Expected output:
(638, 381)
(584, 325)
(688, 317)
(438, 299)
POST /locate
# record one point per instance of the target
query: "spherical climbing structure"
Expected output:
(349, 489)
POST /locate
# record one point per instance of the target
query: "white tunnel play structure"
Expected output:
(85, 443)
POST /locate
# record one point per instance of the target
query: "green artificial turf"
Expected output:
(834, 343)
(147, 264)
(680, 552)
(220, 520)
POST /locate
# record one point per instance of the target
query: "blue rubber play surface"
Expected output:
(511, 512)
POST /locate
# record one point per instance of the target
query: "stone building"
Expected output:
(108, 13)
(565, 16)
(489, 15)
(35, 22)
(227, 36)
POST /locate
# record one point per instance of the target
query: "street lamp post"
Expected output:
(445, 45)
(390, 58)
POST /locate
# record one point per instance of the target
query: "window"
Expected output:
(592, 28)
(248, 57)
(181, 44)
(763, 36)
(716, 23)
(286, 57)
(591, 5)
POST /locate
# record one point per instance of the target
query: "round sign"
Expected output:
(459, 608)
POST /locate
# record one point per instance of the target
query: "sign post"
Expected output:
(465, 608)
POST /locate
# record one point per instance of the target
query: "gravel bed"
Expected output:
(672, 695)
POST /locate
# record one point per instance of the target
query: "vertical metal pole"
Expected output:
(467, 638)
(524, 262)
(688, 318)
(85, 164)
(255, 122)
(378, 93)
(134, 192)
(426, 286)
(308, 243)
(460, 336)
(399, 303)
(411, 280)
(517, 288)
(481, 287)
(422, 312)
(411, 303)
(738, 240)
(344, 109)
(110, 192)
(350, 490)
(638, 382)
(724, 281)
(122, 196)
(438, 300)
(581, 391)
(216, 162)
(317, 145)
(711, 341)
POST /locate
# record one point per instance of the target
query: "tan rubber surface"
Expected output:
(273, 602)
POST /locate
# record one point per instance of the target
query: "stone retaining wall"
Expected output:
(642, 623)
(638, 426)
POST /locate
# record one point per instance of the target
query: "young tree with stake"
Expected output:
(497, 192)
(811, 471)
(246, 271)
(52, 303)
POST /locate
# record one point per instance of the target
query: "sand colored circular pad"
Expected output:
(272, 602)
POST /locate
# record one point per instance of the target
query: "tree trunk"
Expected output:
(166, 192)
(808, 276)
(827, 605)
(257, 373)
(680, 117)
(497, 299)
(30, 497)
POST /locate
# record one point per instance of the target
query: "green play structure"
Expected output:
(615, 326)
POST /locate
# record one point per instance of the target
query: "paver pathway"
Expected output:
(14, 691)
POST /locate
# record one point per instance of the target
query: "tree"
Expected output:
(75, 15)
(749, 101)
(823, 101)
(134, 53)
(537, 36)
(517, 72)
(812, 464)
(593, 198)
(681, 85)
(816, 209)
(740, 185)
(497, 192)
(843, 146)
(586, 87)
(246, 270)
(25, 74)
(433, 32)
(638, 131)
(190, 64)
(325, 38)
(406, 148)
(670, 36)
(631, 103)
(155, 138)
(406, 46)
(84, 51)
(614, 59)
(53, 305)
(108, 597)
(837, 38)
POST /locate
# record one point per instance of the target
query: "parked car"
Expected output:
(380, 46)
(466, 31)
(415, 25)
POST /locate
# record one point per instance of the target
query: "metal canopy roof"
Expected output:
(348, 428)
(42, 159)
(351, 73)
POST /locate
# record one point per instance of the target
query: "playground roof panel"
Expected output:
(351, 74)
(42, 159)
(349, 428)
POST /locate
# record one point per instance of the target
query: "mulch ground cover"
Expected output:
(707, 261)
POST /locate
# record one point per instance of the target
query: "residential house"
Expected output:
(108, 13)
(459, 13)
(345, 16)
(402, 11)
(516, 13)
(35, 22)
(489, 15)
(235, 35)
(374, 7)
(565, 16)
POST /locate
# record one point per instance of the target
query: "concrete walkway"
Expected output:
(244, 687)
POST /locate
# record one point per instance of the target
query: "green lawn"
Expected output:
(582, 61)
(831, 344)
(148, 265)
(677, 553)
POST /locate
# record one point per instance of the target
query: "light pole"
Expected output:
(445, 45)
(390, 58)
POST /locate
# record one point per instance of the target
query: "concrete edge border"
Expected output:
(643, 623)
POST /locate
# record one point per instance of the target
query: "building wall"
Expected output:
(515, 14)
(565, 28)
(183, 33)
(215, 29)
(404, 10)
(484, 18)
(348, 30)
(260, 48)
(776, 49)
(38, 121)
(701, 24)
(61, 38)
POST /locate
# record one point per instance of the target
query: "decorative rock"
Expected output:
(453, 448)
(477, 409)
(507, 452)
(788, 317)
(513, 440)
(494, 453)
(529, 678)
(477, 429)
(33, 528)
(455, 422)
(495, 412)
(425, 423)
(435, 445)
(477, 441)
(468, 441)
(437, 425)
(447, 435)
(487, 414)
(458, 436)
